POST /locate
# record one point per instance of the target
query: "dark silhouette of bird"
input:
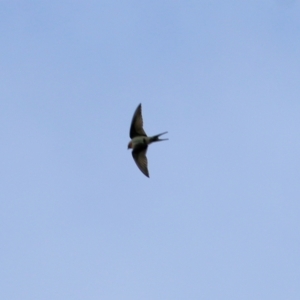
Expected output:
(140, 141)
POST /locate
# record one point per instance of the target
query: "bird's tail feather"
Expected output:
(156, 138)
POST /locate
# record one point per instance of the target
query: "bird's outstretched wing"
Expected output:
(139, 156)
(136, 128)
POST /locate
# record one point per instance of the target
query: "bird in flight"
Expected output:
(140, 141)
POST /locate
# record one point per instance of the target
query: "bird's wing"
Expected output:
(139, 156)
(136, 128)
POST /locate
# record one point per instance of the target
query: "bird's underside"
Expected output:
(140, 141)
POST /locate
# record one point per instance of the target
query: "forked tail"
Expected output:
(156, 138)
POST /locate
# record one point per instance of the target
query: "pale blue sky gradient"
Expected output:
(219, 216)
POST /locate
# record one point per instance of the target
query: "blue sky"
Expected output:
(219, 216)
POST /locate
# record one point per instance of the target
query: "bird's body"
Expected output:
(140, 141)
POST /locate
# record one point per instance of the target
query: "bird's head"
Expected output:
(129, 145)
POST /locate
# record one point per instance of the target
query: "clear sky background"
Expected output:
(219, 216)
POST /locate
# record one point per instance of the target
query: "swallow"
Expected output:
(140, 141)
